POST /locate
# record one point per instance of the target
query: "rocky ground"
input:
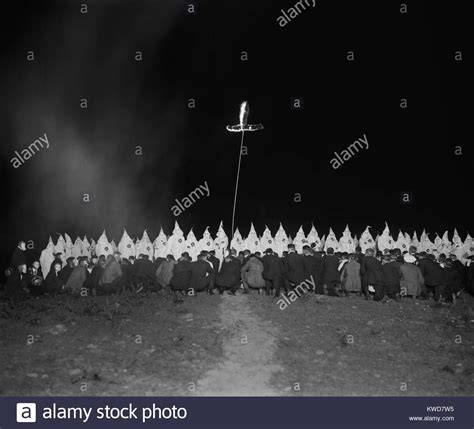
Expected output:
(146, 344)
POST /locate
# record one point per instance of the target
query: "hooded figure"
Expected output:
(206, 242)
(466, 250)
(425, 244)
(76, 251)
(68, 245)
(87, 248)
(438, 244)
(331, 241)
(176, 242)
(114, 246)
(47, 257)
(103, 247)
(385, 241)
(313, 237)
(266, 240)
(126, 247)
(281, 240)
(60, 247)
(346, 242)
(221, 242)
(407, 240)
(145, 246)
(192, 245)
(446, 244)
(415, 242)
(458, 245)
(252, 241)
(366, 240)
(401, 242)
(299, 240)
(237, 241)
(160, 245)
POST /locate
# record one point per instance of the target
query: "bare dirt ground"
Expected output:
(235, 345)
(126, 345)
(249, 347)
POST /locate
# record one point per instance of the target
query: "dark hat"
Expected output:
(269, 250)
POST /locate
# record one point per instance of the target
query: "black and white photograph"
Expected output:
(236, 199)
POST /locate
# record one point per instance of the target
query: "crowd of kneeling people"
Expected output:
(376, 275)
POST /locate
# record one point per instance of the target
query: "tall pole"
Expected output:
(237, 184)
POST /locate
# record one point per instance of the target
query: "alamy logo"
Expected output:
(20, 158)
(293, 12)
(349, 152)
(190, 199)
(26, 412)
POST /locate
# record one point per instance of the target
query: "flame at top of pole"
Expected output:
(244, 113)
(243, 117)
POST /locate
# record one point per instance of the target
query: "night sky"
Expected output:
(145, 103)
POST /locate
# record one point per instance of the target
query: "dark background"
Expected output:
(145, 103)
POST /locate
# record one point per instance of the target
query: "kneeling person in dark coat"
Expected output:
(372, 275)
(181, 279)
(92, 282)
(331, 277)
(272, 272)
(78, 276)
(18, 256)
(201, 275)
(53, 283)
(295, 270)
(69, 267)
(314, 268)
(17, 284)
(229, 274)
(145, 273)
(391, 273)
(111, 280)
(452, 281)
(35, 279)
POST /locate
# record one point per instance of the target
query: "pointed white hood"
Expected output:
(160, 245)
(126, 247)
(192, 245)
(47, 257)
(252, 242)
(206, 242)
(366, 240)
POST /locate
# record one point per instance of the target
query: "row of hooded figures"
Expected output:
(177, 243)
